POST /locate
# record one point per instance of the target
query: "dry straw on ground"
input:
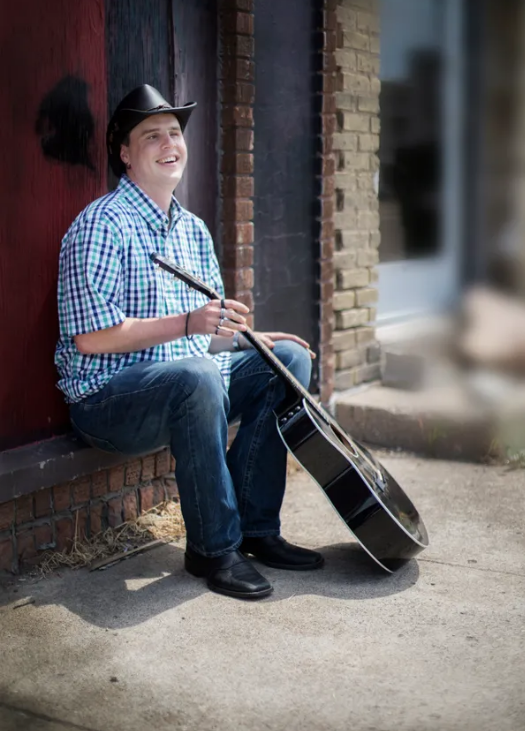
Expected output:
(163, 522)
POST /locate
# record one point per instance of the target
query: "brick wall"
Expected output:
(237, 96)
(326, 188)
(356, 219)
(49, 518)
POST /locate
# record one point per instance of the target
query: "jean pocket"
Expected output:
(96, 442)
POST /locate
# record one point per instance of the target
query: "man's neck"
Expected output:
(159, 194)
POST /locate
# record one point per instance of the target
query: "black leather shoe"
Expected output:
(274, 551)
(231, 574)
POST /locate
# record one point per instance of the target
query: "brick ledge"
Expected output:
(27, 469)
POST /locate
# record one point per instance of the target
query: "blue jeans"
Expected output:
(184, 403)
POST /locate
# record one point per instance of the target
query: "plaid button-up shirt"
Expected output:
(106, 275)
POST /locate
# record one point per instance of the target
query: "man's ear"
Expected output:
(124, 154)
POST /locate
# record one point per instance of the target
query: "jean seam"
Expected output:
(195, 490)
(254, 445)
(132, 393)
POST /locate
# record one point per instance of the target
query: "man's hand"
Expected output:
(213, 319)
(269, 339)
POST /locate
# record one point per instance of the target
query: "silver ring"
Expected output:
(221, 321)
(223, 313)
(217, 329)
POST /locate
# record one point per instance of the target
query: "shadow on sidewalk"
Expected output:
(145, 586)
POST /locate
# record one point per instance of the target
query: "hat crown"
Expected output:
(144, 98)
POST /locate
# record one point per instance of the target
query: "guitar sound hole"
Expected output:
(345, 441)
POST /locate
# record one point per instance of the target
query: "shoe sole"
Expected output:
(236, 594)
(287, 566)
(242, 595)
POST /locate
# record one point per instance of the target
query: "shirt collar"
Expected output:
(147, 208)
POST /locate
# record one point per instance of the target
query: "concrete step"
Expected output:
(442, 422)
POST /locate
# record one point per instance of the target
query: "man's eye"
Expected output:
(152, 137)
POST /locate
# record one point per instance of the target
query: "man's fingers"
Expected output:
(237, 306)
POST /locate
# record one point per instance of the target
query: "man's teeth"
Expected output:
(168, 159)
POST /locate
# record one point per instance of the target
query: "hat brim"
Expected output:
(125, 120)
(136, 116)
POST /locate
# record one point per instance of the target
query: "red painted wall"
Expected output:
(52, 163)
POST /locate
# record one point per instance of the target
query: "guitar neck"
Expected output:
(265, 352)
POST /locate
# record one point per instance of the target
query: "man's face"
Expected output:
(156, 151)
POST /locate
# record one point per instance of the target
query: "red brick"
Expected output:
(43, 503)
(116, 478)
(332, 82)
(237, 186)
(240, 115)
(329, 20)
(328, 124)
(61, 497)
(159, 493)
(133, 472)
(237, 69)
(7, 515)
(6, 555)
(238, 280)
(238, 92)
(328, 165)
(246, 298)
(115, 511)
(326, 144)
(237, 139)
(330, 40)
(96, 517)
(328, 105)
(238, 257)
(43, 537)
(327, 248)
(148, 468)
(24, 509)
(327, 208)
(172, 491)
(129, 503)
(235, 234)
(99, 483)
(146, 498)
(246, 5)
(162, 463)
(64, 534)
(328, 62)
(239, 164)
(237, 22)
(237, 210)
(80, 524)
(81, 490)
(328, 185)
(327, 230)
(327, 291)
(237, 45)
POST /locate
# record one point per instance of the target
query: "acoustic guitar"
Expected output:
(364, 495)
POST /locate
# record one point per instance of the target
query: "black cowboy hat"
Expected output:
(142, 102)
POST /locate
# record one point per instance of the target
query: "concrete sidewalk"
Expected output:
(438, 646)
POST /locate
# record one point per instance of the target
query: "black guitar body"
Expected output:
(364, 495)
